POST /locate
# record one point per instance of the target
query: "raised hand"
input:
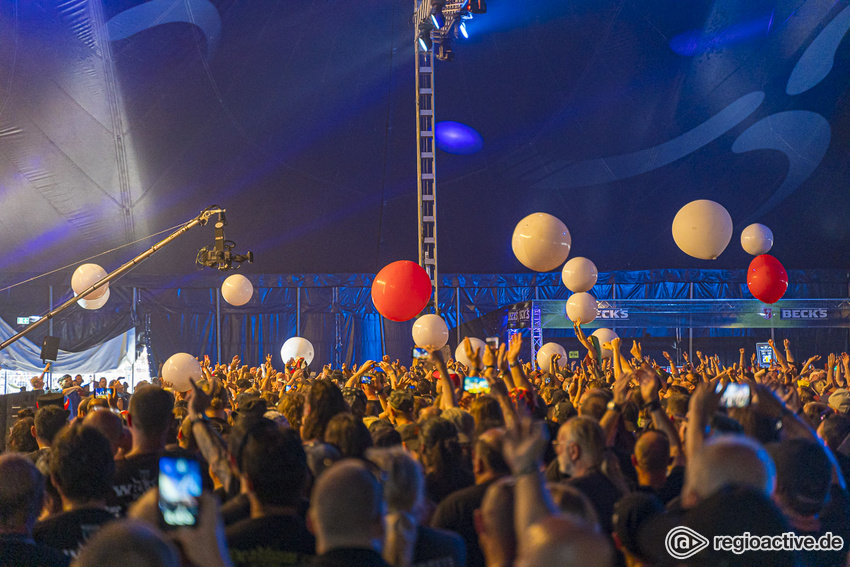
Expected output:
(472, 354)
(514, 348)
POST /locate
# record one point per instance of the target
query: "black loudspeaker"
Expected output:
(50, 348)
(10, 405)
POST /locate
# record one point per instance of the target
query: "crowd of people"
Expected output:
(384, 463)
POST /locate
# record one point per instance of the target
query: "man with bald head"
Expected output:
(651, 457)
(346, 516)
(21, 497)
(112, 427)
(559, 540)
(456, 512)
(727, 460)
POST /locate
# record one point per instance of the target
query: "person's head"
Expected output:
(561, 540)
(273, 463)
(49, 420)
(78, 380)
(348, 434)
(494, 523)
(111, 426)
(463, 422)
(487, 413)
(81, 464)
(404, 485)
(652, 452)
(632, 513)
(834, 430)
(803, 475)
(37, 383)
(580, 446)
(21, 494)
(401, 403)
(438, 445)
(324, 401)
(727, 460)
(346, 508)
(20, 439)
(487, 456)
(291, 405)
(150, 413)
(129, 543)
(101, 383)
(356, 400)
(570, 500)
(593, 404)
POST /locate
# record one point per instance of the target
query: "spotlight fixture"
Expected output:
(424, 37)
(437, 17)
(462, 29)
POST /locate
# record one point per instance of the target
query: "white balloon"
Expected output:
(179, 368)
(297, 347)
(85, 276)
(544, 355)
(460, 352)
(702, 229)
(92, 304)
(757, 239)
(582, 306)
(430, 331)
(605, 336)
(541, 242)
(579, 274)
(237, 290)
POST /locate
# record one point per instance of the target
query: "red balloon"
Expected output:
(401, 290)
(767, 278)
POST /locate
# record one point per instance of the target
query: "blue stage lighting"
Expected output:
(463, 32)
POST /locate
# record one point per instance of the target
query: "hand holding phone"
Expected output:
(179, 491)
(735, 395)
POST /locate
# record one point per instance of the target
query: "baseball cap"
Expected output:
(839, 400)
(402, 400)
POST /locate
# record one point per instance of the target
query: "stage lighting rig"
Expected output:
(438, 21)
(220, 255)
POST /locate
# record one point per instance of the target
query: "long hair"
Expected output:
(325, 401)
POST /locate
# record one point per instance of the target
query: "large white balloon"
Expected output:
(297, 347)
(605, 336)
(582, 306)
(237, 290)
(460, 352)
(544, 355)
(92, 304)
(757, 239)
(541, 242)
(179, 368)
(702, 229)
(87, 275)
(430, 331)
(579, 274)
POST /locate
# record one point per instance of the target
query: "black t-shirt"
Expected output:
(137, 474)
(439, 486)
(272, 541)
(438, 548)
(68, 531)
(22, 551)
(455, 514)
(603, 494)
(672, 487)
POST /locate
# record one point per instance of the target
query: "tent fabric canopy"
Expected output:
(120, 119)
